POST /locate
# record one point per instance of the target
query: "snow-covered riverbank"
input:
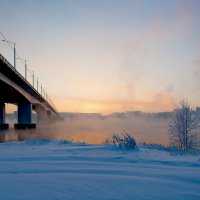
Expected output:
(57, 170)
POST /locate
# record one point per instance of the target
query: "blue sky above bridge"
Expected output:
(108, 55)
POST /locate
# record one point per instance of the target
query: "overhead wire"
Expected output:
(28, 70)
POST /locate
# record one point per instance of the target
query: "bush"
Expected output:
(125, 141)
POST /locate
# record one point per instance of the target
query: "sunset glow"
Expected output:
(108, 56)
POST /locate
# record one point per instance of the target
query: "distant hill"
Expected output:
(116, 115)
(119, 115)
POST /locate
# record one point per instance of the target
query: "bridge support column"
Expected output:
(25, 116)
(24, 113)
(41, 116)
(2, 117)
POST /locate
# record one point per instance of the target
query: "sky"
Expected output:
(108, 55)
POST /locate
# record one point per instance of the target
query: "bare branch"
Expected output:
(183, 125)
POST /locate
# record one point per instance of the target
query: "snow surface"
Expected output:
(46, 169)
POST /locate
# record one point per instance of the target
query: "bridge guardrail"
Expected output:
(44, 97)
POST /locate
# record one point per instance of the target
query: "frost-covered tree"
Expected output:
(183, 128)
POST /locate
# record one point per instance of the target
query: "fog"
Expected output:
(96, 128)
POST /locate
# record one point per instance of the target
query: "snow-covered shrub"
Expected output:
(126, 141)
(153, 146)
(107, 141)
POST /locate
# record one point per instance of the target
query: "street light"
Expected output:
(37, 84)
(33, 76)
(41, 89)
(44, 93)
(14, 51)
(24, 66)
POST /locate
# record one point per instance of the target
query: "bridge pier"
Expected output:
(41, 115)
(3, 125)
(25, 116)
(45, 116)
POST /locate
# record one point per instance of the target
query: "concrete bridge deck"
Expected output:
(15, 89)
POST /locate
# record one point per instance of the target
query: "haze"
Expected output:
(109, 55)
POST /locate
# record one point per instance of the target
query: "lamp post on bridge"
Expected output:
(25, 70)
(14, 44)
(41, 89)
(33, 76)
(24, 66)
(46, 96)
(44, 93)
(37, 84)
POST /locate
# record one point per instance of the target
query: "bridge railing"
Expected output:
(44, 95)
(34, 83)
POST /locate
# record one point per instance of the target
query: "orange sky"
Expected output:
(107, 56)
(161, 102)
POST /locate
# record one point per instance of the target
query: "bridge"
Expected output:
(15, 89)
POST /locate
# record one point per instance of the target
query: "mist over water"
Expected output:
(96, 128)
